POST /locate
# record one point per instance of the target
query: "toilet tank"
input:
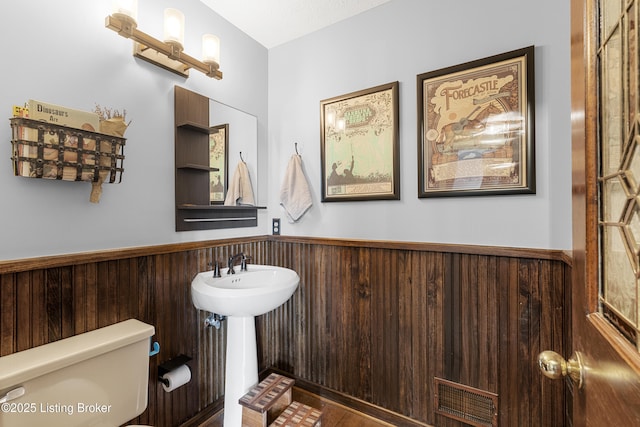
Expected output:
(98, 378)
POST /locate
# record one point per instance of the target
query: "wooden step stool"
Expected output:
(298, 414)
(263, 403)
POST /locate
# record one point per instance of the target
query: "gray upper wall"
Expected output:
(60, 52)
(395, 42)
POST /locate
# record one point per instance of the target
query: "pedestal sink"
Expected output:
(242, 296)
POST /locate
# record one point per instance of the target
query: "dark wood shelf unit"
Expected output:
(197, 167)
(196, 127)
(198, 217)
(220, 207)
(192, 170)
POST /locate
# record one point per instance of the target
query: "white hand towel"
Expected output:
(240, 191)
(295, 196)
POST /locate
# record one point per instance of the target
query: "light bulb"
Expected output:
(174, 27)
(127, 9)
(211, 50)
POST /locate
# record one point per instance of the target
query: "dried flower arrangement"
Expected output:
(112, 122)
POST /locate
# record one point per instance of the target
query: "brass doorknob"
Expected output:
(554, 366)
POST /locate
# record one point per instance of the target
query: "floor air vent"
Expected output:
(467, 404)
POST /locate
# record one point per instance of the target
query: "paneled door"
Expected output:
(605, 116)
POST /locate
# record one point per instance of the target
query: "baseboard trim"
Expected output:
(205, 414)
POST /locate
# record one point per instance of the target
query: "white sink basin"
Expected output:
(241, 297)
(258, 290)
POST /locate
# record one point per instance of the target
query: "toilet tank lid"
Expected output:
(23, 366)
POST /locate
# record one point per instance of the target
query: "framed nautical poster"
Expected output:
(476, 127)
(359, 145)
(218, 159)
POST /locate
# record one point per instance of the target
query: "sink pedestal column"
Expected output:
(241, 372)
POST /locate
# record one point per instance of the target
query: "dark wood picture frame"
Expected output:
(360, 151)
(219, 159)
(476, 127)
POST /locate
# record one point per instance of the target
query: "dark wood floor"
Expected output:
(333, 414)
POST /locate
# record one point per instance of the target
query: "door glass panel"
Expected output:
(619, 176)
(611, 102)
(632, 172)
(613, 201)
(619, 276)
(633, 229)
(631, 54)
(609, 15)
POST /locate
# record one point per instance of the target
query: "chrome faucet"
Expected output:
(243, 262)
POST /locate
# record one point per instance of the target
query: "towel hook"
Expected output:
(241, 157)
(297, 149)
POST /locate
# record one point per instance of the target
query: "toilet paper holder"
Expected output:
(170, 365)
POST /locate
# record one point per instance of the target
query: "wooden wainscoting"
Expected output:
(44, 300)
(377, 321)
(372, 322)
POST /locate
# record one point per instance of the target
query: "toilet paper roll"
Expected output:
(176, 378)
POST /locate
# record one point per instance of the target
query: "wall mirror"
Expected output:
(234, 138)
(198, 122)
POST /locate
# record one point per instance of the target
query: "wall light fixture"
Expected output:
(169, 53)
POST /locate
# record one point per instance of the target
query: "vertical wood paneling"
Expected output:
(376, 324)
(53, 295)
(344, 311)
(23, 308)
(437, 275)
(102, 294)
(509, 407)
(419, 350)
(407, 294)
(486, 310)
(383, 318)
(476, 319)
(8, 305)
(92, 303)
(316, 315)
(66, 303)
(493, 324)
(362, 317)
(38, 308)
(526, 316)
(451, 321)
(80, 298)
(43, 305)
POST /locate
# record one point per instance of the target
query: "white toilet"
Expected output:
(98, 378)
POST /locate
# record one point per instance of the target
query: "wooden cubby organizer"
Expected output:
(194, 210)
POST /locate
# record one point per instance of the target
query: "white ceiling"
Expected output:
(273, 22)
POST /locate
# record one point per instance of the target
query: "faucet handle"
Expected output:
(216, 269)
(230, 269)
(243, 262)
